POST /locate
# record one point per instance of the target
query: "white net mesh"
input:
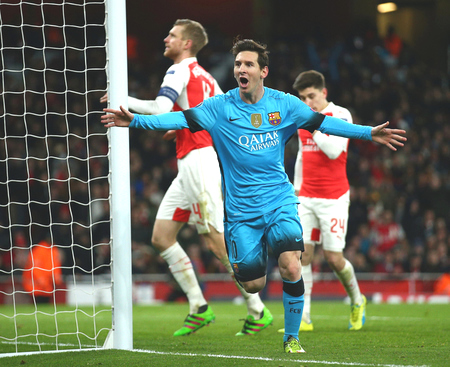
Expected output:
(55, 288)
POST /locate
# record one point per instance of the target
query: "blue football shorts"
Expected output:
(247, 241)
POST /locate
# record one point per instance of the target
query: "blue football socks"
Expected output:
(293, 301)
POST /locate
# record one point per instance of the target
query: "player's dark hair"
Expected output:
(194, 31)
(241, 45)
(307, 79)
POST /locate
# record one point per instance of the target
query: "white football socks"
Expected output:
(254, 304)
(348, 280)
(181, 268)
(308, 281)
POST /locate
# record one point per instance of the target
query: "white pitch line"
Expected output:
(4, 355)
(219, 356)
(275, 359)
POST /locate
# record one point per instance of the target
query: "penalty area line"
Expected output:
(274, 359)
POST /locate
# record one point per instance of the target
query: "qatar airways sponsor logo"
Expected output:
(260, 141)
(310, 146)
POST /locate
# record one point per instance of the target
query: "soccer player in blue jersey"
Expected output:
(250, 126)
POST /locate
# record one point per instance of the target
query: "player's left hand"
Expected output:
(389, 137)
(170, 135)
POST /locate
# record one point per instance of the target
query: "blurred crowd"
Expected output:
(53, 150)
(399, 213)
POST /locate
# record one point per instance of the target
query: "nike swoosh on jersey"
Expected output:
(230, 119)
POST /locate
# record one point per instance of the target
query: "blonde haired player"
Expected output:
(195, 195)
(321, 182)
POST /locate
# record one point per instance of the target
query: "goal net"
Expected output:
(55, 181)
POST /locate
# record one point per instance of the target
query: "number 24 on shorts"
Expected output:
(337, 225)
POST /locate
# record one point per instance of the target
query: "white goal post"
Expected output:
(120, 183)
(65, 223)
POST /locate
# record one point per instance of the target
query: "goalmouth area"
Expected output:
(64, 197)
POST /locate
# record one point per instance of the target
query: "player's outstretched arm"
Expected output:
(389, 137)
(120, 118)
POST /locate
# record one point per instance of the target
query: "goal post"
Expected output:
(120, 182)
(65, 213)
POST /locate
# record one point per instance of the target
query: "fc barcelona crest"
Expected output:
(274, 118)
(256, 119)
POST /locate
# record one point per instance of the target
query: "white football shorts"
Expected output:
(325, 221)
(195, 195)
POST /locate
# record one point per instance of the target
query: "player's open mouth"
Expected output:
(243, 81)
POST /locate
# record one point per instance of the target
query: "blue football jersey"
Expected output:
(250, 142)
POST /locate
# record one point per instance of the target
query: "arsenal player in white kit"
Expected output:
(195, 195)
(321, 182)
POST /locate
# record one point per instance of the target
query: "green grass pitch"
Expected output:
(393, 336)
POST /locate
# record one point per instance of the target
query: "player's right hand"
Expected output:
(104, 98)
(121, 118)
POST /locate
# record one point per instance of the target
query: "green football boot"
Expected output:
(196, 321)
(358, 315)
(252, 326)
(292, 345)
